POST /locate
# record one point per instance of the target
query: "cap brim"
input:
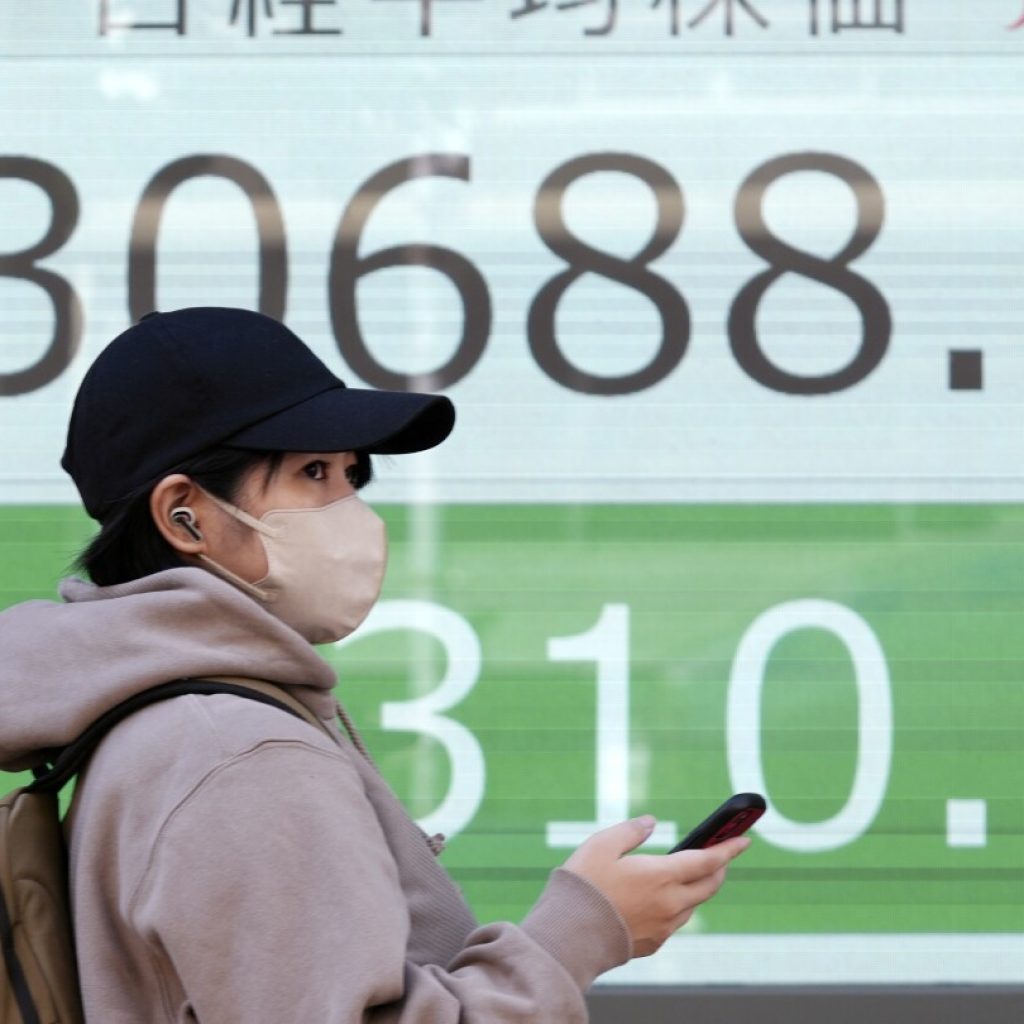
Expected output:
(352, 419)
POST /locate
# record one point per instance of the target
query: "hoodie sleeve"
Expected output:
(272, 895)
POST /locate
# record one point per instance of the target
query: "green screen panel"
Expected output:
(535, 670)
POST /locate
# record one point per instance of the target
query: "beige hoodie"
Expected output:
(232, 863)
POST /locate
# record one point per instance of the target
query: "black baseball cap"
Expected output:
(176, 384)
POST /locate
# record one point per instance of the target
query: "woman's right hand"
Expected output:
(655, 894)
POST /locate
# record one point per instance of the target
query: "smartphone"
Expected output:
(733, 818)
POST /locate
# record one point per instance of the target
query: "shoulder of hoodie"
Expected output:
(148, 763)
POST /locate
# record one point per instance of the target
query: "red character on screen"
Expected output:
(1019, 23)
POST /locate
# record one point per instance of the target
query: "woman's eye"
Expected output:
(316, 470)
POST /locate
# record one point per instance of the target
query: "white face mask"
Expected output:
(325, 566)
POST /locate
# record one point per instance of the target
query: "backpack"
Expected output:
(39, 982)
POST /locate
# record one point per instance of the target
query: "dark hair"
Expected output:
(129, 546)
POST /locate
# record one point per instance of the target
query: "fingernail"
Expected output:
(646, 822)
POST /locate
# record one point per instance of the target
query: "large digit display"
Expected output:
(727, 297)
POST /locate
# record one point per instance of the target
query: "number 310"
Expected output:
(606, 644)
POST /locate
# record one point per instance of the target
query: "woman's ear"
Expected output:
(176, 505)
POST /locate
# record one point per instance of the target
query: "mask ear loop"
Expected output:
(219, 570)
(243, 517)
(250, 588)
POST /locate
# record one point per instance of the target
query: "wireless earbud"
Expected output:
(186, 518)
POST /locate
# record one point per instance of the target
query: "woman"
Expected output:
(230, 862)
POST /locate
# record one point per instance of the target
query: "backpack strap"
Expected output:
(72, 758)
(275, 695)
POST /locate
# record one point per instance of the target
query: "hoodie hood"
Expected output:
(64, 665)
